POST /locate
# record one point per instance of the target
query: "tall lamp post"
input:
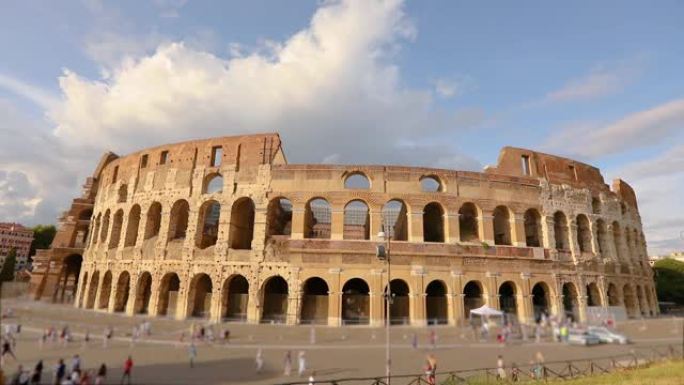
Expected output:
(383, 254)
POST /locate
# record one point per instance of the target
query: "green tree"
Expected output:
(42, 238)
(7, 272)
(670, 280)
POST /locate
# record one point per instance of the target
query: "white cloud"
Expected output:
(35, 94)
(637, 130)
(601, 81)
(452, 87)
(331, 88)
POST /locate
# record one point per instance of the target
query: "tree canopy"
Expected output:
(42, 237)
(670, 280)
(7, 272)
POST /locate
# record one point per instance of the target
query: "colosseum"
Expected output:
(225, 229)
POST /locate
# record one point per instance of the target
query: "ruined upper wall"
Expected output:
(625, 192)
(241, 151)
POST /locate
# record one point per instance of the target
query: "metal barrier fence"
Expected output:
(555, 370)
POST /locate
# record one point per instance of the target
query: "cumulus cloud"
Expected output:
(643, 128)
(332, 90)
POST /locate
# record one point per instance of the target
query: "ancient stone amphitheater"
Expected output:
(227, 230)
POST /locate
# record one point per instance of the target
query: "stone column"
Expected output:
(298, 216)
(337, 223)
(582, 311)
(595, 247)
(416, 226)
(603, 291)
(334, 308)
(453, 235)
(487, 227)
(132, 293)
(493, 290)
(518, 237)
(254, 305)
(548, 235)
(294, 301)
(215, 307)
(260, 223)
(456, 305)
(419, 313)
(98, 292)
(376, 223)
(377, 302)
(572, 240)
(113, 293)
(524, 299)
(183, 293)
(610, 243)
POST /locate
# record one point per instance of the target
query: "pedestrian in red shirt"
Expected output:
(128, 366)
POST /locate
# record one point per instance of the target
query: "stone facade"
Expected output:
(226, 229)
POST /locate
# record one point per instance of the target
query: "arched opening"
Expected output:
(82, 228)
(583, 234)
(105, 290)
(570, 301)
(601, 237)
(123, 287)
(117, 223)
(235, 298)
(502, 226)
(242, 224)
(207, 225)
(153, 220)
(357, 180)
(199, 298)
(395, 220)
(595, 205)
(355, 302)
(92, 290)
(314, 301)
(613, 295)
(560, 230)
(317, 216)
(123, 193)
(105, 227)
(431, 184)
(472, 297)
(178, 222)
(275, 293)
(436, 306)
(593, 295)
(433, 223)
(133, 225)
(168, 295)
(631, 306)
(356, 220)
(540, 300)
(213, 183)
(468, 223)
(399, 303)
(532, 228)
(68, 279)
(279, 217)
(623, 208)
(628, 243)
(617, 240)
(143, 293)
(507, 300)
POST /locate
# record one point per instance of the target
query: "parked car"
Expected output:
(583, 337)
(608, 336)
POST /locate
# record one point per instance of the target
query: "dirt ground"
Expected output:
(337, 352)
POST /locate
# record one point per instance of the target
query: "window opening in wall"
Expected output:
(525, 159)
(573, 170)
(163, 157)
(394, 217)
(216, 156)
(213, 184)
(595, 205)
(116, 174)
(317, 219)
(143, 161)
(279, 216)
(356, 221)
(357, 181)
(430, 184)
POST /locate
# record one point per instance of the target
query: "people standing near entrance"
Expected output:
(76, 363)
(192, 353)
(127, 369)
(287, 363)
(101, 375)
(259, 360)
(37, 374)
(500, 368)
(60, 372)
(301, 363)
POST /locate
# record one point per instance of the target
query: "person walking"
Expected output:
(433, 338)
(76, 363)
(431, 369)
(414, 341)
(287, 363)
(60, 372)
(301, 363)
(259, 361)
(37, 374)
(127, 368)
(500, 369)
(101, 374)
(312, 336)
(192, 354)
(6, 350)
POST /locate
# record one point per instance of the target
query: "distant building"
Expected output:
(14, 235)
(677, 256)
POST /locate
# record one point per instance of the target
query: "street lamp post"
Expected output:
(383, 253)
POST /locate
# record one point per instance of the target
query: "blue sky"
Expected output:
(449, 82)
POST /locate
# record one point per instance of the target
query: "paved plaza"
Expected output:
(336, 353)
